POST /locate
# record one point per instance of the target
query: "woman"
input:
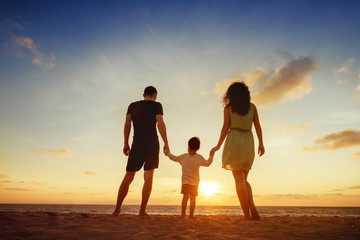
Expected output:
(238, 153)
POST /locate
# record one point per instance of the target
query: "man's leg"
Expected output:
(123, 190)
(148, 182)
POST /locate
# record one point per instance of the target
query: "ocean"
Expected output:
(265, 211)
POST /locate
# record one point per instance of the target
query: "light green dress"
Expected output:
(239, 152)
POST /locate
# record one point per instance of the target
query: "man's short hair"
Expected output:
(194, 143)
(149, 91)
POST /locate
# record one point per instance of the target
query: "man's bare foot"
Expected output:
(246, 218)
(182, 215)
(191, 217)
(116, 212)
(143, 214)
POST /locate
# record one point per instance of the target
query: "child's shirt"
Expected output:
(190, 166)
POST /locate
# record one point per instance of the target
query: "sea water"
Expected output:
(265, 211)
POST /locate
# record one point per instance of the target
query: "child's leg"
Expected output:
(184, 204)
(192, 205)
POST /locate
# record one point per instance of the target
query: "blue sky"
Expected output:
(68, 71)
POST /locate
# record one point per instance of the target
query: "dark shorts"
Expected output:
(143, 152)
(189, 189)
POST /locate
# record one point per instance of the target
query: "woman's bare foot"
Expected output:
(255, 215)
(143, 214)
(116, 212)
(246, 218)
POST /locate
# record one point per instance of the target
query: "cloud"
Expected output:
(356, 94)
(345, 68)
(91, 173)
(356, 156)
(22, 46)
(3, 176)
(354, 187)
(286, 196)
(334, 141)
(18, 189)
(254, 78)
(288, 82)
(298, 128)
(62, 152)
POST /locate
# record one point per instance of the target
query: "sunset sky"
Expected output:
(69, 70)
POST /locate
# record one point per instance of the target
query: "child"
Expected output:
(190, 179)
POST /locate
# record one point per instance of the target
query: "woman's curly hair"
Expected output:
(238, 97)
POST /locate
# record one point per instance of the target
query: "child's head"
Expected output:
(194, 144)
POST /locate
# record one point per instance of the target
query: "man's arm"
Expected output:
(162, 129)
(127, 128)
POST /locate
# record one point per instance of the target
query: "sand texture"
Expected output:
(49, 225)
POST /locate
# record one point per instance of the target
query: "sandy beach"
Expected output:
(50, 225)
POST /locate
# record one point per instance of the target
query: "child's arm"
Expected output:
(173, 157)
(208, 162)
(261, 149)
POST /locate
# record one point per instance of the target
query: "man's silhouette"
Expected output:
(144, 151)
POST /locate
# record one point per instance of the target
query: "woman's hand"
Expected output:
(212, 152)
(261, 150)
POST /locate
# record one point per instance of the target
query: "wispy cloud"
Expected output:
(288, 82)
(22, 46)
(354, 187)
(345, 68)
(62, 152)
(356, 94)
(356, 156)
(3, 176)
(17, 189)
(333, 141)
(91, 173)
(286, 196)
(297, 128)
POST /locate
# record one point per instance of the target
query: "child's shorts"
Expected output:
(189, 189)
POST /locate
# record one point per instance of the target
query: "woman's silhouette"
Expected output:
(238, 153)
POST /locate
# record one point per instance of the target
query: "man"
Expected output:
(144, 150)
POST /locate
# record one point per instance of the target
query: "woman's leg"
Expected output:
(192, 205)
(184, 204)
(254, 212)
(242, 192)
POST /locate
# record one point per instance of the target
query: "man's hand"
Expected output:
(166, 149)
(126, 149)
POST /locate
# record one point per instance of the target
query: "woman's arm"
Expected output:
(261, 149)
(224, 130)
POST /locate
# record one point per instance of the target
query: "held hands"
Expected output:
(166, 149)
(126, 149)
(212, 152)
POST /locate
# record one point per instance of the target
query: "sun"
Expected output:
(209, 188)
